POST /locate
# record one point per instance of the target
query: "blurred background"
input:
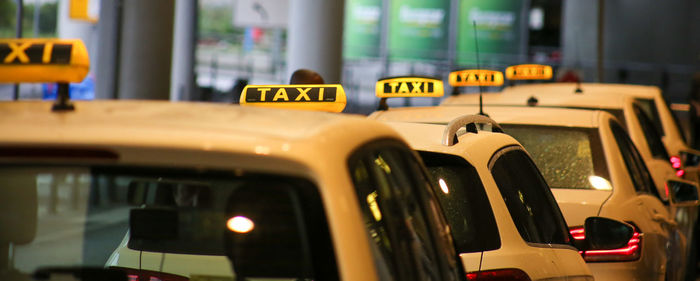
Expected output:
(207, 50)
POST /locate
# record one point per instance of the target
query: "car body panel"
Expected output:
(539, 261)
(622, 203)
(144, 133)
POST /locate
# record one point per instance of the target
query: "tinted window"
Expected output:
(463, 199)
(633, 161)
(398, 224)
(79, 216)
(528, 198)
(651, 134)
(648, 106)
(571, 158)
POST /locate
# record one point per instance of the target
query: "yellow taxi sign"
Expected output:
(409, 86)
(43, 60)
(529, 72)
(476, 77)
(319, 97)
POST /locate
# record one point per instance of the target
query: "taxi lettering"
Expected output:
(529, 72)
(290, 94)
(476, 77)
(408, 87)
(35, 53)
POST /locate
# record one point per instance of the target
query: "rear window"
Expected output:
(128, 219)
(570, 158)
(463, 199)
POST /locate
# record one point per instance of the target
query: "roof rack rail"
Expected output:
(449, 137)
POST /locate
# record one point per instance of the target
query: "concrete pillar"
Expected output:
(182, 80)
(579, 36)
(146, 39)
(106, 71)
(315, 36)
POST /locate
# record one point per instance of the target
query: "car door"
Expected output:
(536, 216)
(661, 229)
(410, 237)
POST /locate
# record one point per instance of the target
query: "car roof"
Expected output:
(189, 126)
(502, 114)
(428, 137)
(594, 95)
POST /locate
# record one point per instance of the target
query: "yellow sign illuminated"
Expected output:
(529, 72)
(409, 87)
(320, 97)
(43, 60)
(476, 77)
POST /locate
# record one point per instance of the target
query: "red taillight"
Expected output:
(680, 173)
(676, 162)
(629, 252)
(498, 275)
(147, 275)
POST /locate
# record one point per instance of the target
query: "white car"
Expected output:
(624, 101)
(594, 170)
(209, 191)
(500, 229)
(134, 165)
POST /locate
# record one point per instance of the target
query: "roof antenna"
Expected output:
(576, 66)
(481, 99)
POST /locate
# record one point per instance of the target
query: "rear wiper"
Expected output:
(80, 274)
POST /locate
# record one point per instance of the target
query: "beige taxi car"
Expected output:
(504, 219)
(149, 190)
(593, 169)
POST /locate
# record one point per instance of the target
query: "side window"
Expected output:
(394, 215)
(635, 164)
(648, 106)
(528, 198)
(651, 134)
(463, 199)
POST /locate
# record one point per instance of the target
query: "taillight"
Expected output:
(147, 275)
(680, 173)
(677, 164)
(498, 275)
(631, 251)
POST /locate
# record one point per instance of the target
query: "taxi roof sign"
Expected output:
(409, 86)
(43, 60)
(319, 97)
(529, 72)
(475, 77)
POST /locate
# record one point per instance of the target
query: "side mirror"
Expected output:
(682, 193)
(605, 234)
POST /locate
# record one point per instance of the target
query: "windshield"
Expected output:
(572, 157)
(169, 224)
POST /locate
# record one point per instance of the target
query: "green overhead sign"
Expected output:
(418, 29)
(362, 28)
(498, 27)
